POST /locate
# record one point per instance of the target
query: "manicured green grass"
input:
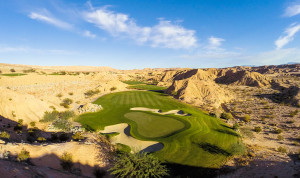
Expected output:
(133, 82)
(153, 126)
(147, 87)
(204, 141)
(13, 74)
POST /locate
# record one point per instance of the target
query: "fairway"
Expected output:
(196, 140)
(153, 126)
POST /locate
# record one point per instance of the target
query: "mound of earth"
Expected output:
(244, 78)
(15, 105)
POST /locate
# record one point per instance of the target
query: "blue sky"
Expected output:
(132, 34)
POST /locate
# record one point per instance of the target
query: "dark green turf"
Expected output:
(204, 141)
(133, 82)
(147, 87)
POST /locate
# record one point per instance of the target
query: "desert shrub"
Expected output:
(98, 172)
(226, 115)
(71, 93)
(41, 139)
(66, 161)
(12, 70)
(24, 155)
(0, 71)
(246, 132)
(282, 149)
(236, 126)
(62, 124)
(66, 115)
(29, 70)
(59, 95)
(280, 137)
(247, 118)
(66, 102)
(138, 165)
(91, 93)
(78, 136)
(257, 129)
(4, 135)
(113, 88)
(294, 113)
(32, 124)
(174, 93)
(278, 131)
(50, 116)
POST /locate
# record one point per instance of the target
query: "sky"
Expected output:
(139, 34)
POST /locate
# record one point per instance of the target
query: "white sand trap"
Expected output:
(125, 138)
(175, 112)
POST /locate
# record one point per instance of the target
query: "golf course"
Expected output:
(193, 138)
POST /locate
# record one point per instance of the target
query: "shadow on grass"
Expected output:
(227, 132)
(213, 149)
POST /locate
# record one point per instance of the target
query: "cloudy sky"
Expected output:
(151, 33)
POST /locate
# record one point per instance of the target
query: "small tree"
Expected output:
(24, 155)
(257, 129)
(32, 124)
(138, 165)
(66, 102)
(66, 161)
(12, 70)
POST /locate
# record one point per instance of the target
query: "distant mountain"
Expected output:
(293, 63)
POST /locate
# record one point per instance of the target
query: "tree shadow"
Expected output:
(213, 149)
(153, 148)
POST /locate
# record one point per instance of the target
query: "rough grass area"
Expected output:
(205, 141)
(147, 87)
(153, 126)
(13, 74)
(133, 82)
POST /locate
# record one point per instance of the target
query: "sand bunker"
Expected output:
(175, 112)
(125, 138)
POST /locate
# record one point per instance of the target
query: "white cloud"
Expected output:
(292, 10)
(45, 16)
(164, 34)
(25, 49)
(288, 37)
(215, 42)
(89, 34)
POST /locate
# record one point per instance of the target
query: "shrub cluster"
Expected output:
(78, 136)
(66, 161)
(226, 115)
(257, 129)
(24, 155)
(66, 102)
(91, 93)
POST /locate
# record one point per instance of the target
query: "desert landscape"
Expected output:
(228, 122)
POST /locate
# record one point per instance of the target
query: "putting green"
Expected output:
(204, 141)
(153, 126)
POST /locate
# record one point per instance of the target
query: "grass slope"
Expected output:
(204, 141)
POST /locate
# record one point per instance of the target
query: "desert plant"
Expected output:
(41, 139)
(66, 102)
(90, 93)
(138, 165)
(71, 93)
(238, 148)
(257, 129)
(280, 137)
(59, 95)
(78, 136)
(24, 155)
(66, 161)
(4, 135)
(12, 70)
(294, 113)
(278, 131)
(113, 88)
(247, 118)
(62, 124)
(226, 115)
(32, 124)
(20, 121)
(50, 116)
(282, 149)
(66, 115)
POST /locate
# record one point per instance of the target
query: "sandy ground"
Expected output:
(125, 138)
(84, 156)
(176, 112)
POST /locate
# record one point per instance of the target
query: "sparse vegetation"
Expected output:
(294, 113)
(78, 136)
(66, 161)
(23, 156)
(138, 165)
(91, 93)
(257, 129)
(4, 135)
(12, 70)
(59, 95)
(32, 124)
(247, 118)
(66, 102)
(113, 88)
(227, 116)
(282, 149)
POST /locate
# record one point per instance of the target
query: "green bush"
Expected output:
(59, 95)
(247, 118)
(282, 149)
(121, 148)
(226, 115)
(257, 129)
(50, 116)
(32, 124)
(65, 115)
(20, 121)
(113, 88)
(66, 161)
(91, 93)
(12, 70)
(140, 165)
(294, 113)
(24, 155)
(238, 148)
(41, 139)
(4, 135)
(78, 136)
(66, 102)
(280, 137)
(62, 124)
